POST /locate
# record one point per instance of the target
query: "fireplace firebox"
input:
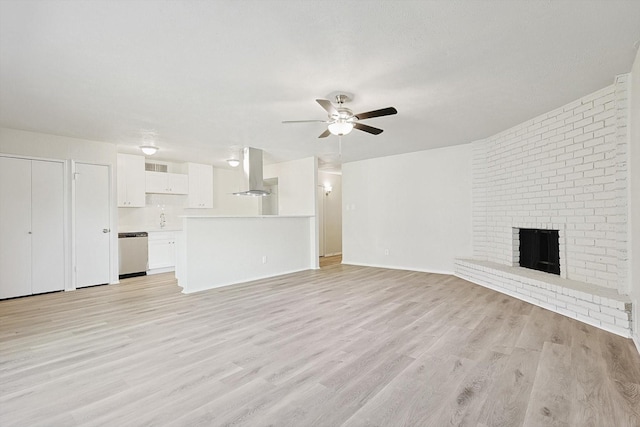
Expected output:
(540, 250)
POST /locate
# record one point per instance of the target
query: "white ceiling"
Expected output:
(204, 76)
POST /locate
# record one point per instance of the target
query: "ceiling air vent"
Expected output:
(155, 167)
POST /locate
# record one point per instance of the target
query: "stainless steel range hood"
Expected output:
(251, 182)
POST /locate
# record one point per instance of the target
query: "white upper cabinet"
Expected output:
(166, 183)
(200, 186)
(131, 183)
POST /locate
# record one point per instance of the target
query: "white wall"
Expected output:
(297, 192)
(225, 182)
(221, 251)
(33, 144)
(297, 182)
(417, 206)
(331, 206)
(634, 197)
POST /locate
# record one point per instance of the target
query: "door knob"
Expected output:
(105, 230)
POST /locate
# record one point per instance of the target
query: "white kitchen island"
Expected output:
(215, 251)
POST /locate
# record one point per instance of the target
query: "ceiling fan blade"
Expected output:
(369, 129)
(325, 134)
(377, 113)
(304, 121)
(328, 106)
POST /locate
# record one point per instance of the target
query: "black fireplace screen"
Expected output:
(540, 250)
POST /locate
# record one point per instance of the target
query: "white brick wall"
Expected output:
(564, 170)
(600, 307)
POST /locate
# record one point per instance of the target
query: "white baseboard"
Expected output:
(160, 270)
(396, 267)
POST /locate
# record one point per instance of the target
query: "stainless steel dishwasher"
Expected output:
(133, 254)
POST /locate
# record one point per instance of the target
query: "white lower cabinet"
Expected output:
(162, 251)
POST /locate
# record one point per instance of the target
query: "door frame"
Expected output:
(321, 216)
(66, 227)
(112, 225)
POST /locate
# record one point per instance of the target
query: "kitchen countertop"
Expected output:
(148, 229)
(245, 216)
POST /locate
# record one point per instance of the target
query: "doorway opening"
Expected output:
(329, 212)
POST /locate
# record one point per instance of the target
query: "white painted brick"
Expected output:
(594, 126)
(623, 315)
(583, 122)
(607, 130)
(597, 109)
(571, 106)
(574, 132)
(587, 136)
(578, 309)
(589, 305)
(583, 152)
(584, 107)
(602, 317)
(624, 323)
(568, 168)
(603, 100)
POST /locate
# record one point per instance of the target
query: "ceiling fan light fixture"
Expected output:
(149, 150)
(340, 128)
(233, 163)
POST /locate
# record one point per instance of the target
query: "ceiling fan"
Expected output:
(341, 120)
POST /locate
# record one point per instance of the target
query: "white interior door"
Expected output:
(320, 216)
(47, 226)
(15, 227)
(92, 234)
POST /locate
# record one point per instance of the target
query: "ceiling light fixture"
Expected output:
(340, 127)
(149, 150)
(233, 162)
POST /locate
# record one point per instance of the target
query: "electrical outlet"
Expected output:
(264, 259)
(386, 251)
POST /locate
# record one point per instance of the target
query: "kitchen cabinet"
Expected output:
(200, 186)
(32, 249)
(131, 183)
(162, 251)
(166, 183)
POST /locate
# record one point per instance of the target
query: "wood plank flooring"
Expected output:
(340, 346)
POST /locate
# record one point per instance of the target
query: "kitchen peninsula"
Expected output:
(215, 251)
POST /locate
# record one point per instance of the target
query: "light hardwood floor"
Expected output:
(340, 346)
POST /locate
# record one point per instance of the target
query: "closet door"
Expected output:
(15, 227)
(47, 225)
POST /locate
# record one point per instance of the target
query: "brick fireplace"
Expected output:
(565, 170)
